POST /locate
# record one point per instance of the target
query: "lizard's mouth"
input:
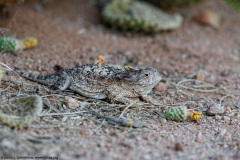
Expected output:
(156, 82)
(151, 85)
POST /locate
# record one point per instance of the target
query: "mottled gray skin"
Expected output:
(100, 82)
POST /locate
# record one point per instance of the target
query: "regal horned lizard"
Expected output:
(92, 81)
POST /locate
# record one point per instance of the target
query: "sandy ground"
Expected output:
(71, 33)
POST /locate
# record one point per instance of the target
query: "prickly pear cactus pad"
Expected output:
(139, 16)
(179, 113)
(21, 112)
(172, 3)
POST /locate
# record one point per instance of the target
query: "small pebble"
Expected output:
(178, 147)
(161, 87)
(137, 123)
(200, 105)
(210, 18)
(222, 132)
(199, 137)
(226, 119)
(85, 125)
(238, 144)
(201, 76)
(163, 120)
(71, 102)
(211, 120)
(227, 137)
(228, 110)
(214, 109)
(217, 117)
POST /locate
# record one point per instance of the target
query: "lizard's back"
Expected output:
(89, 80)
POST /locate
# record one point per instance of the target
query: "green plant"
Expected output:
(139, 16)
(235, 4)
(177, 113)
(181, 113)
(9, 44)
(21, 111)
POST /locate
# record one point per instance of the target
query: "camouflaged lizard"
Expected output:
(100, 82)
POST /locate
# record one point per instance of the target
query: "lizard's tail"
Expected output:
(36, 77)
(59, 80)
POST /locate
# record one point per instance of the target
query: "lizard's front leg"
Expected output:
(149, 99)
(118, 94)
(63, 81)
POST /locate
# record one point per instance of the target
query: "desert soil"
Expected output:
(71, 32)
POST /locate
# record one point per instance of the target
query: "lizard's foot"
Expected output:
(124, 100)
(119, 94)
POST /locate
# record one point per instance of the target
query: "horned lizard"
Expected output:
(102, 82)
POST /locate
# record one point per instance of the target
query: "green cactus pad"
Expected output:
(179, 113)
(234, 4)
(21, 111)
(9, 44)
(172, 3)
(139, 16)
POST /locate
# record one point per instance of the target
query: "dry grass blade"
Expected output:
(198, 88)
(229, 95)
(10, 69)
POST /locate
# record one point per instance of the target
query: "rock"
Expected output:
(210, 18)
(214, 109)
(163, 120)
(217, 117)
(199, 137)
(221, 133)
(201, 75)
(137, 123)
(228, 110)
(227, 137)
(238, 144)
(211, 120)
(161, 87)
(200, 105)
(178, 147)
(71, 102)
(226, 119)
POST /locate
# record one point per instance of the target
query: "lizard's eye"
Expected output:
(146, 74)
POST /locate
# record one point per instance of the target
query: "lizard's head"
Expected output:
(145, 79)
